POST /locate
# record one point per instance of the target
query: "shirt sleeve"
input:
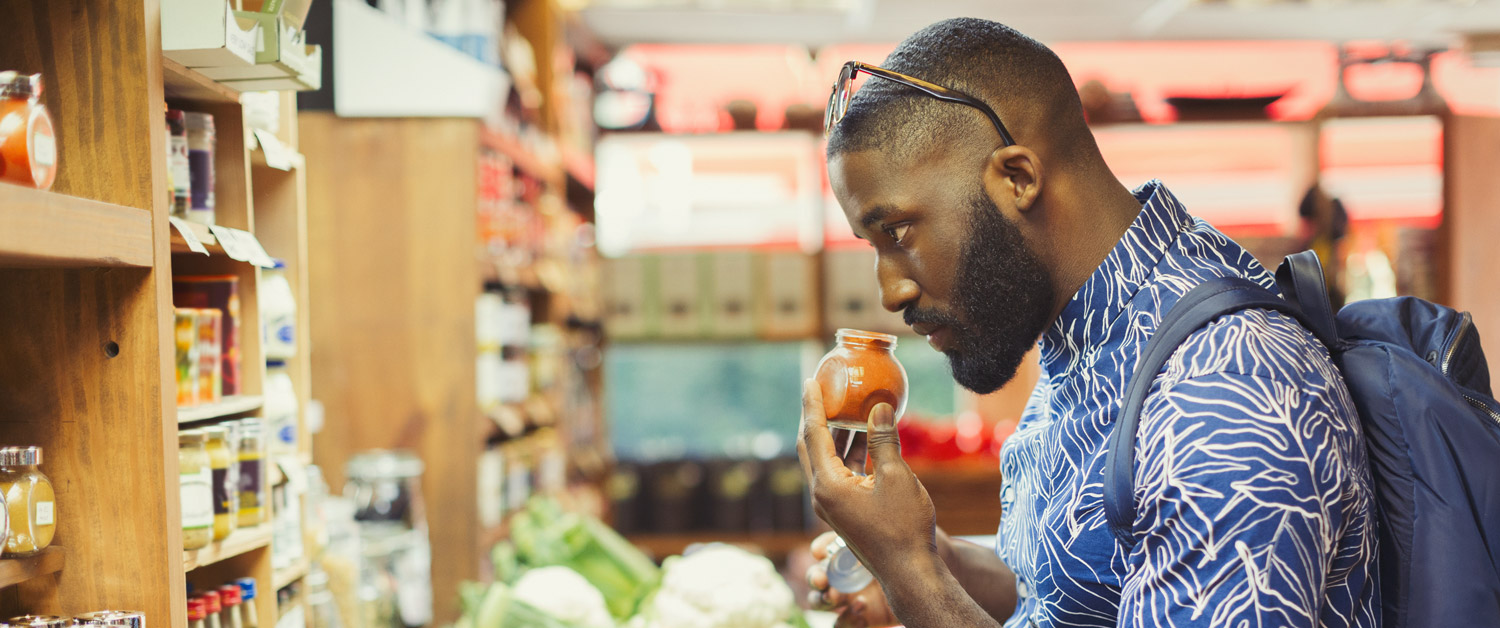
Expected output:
(1243, 490)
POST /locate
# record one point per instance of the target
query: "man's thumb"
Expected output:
(884, 442)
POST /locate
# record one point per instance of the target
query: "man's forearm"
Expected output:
(982, 574)
(927, 595)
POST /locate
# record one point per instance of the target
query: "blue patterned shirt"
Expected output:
(1254, 500)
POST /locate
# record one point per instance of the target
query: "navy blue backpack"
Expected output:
(1419, 379)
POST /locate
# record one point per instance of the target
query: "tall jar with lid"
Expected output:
(252, 470)
(30, 500)
(226, 495)
(201, 140)
(386, 488)
(858, 374)
(195, 477)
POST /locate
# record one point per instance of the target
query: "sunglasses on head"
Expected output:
(838, 102)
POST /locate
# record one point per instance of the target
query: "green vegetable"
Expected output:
(544, 535)
(500, 609)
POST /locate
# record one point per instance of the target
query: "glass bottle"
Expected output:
(30, 500)
(859, 373)
(196, 613)
(229, 599)
(201, 145)
(195, 477)
(211, 608)
(225, 515)
(28, 147)
(247, 594)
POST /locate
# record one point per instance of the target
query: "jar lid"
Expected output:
(15, 456)
(249, 426)
(195, 609)
(39, 621)
(247, 588)
(382, 464)
(211, 602)
(117, 619)
(230, 595)
(17, 85)
(191, 437)
(199, 121)
(859, 334)
(215, 432)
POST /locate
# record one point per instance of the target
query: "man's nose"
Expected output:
(896, 289)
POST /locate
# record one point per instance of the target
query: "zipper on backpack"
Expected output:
(1465, 321)
(1494, 416)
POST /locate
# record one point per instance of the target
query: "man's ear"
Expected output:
(1014, 174)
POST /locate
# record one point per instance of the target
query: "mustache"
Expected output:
(915, 315)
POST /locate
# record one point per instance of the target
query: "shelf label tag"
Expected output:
(277, 156)
(230, 240)
(194, 244)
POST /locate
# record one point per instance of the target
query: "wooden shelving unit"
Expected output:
(49, 229)
(17, 570)
(237, 543)
(229, 406)
(86, 274)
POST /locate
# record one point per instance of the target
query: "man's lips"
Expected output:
(924, 329)
(937, 335)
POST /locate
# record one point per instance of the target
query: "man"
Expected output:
(967, 164)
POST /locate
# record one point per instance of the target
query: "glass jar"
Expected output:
(111, 619)
(39, 621)
(195, 477)
(387, 492)
(201, 145)
(252, 463)
(29, 498)
(28, 147)
(859, 373)
(220, 460)
(177, 163)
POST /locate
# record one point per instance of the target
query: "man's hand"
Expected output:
(866, 609)
(887, 517)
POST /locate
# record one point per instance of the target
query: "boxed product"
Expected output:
(218, 292)
(185, 338)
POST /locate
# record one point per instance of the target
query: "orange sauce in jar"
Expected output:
(28, 149)
(859, 373)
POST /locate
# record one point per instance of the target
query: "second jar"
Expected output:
(224, 462)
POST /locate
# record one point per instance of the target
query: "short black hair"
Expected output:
(1020, 78)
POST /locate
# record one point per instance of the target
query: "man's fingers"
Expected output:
(885, 442)
(820, 545)
(817, 577)
(815, 445)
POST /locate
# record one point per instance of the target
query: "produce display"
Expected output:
(565, 570)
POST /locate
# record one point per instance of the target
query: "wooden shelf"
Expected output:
(180, 82)
(524, 159)
(18, 570)
(46, 229)
(238, 542)
(284, 577)
(231, 405)
(180, 245)
(775, 544)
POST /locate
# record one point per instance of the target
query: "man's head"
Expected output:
(968, 231)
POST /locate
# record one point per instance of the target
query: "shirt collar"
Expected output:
(1086, 319)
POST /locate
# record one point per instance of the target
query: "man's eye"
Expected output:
(897, 232)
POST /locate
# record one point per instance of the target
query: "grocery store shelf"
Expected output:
(511, 147)
(238, 542)
(47, 229)
(289, 575)
(234, 404)
(772, 543)
(184, 83)
(18, 570)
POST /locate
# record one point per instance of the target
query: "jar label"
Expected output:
(222, 491)
(43, 149)
(250, 484)
(44, 514)
(197, 501)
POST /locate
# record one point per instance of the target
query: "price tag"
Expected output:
(230, 241)
(194, 244)
(277, 155)
(258, 254)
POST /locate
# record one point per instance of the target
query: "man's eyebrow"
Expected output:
(876, 214)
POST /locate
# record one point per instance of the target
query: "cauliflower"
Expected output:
(721, 586)
(562, 593)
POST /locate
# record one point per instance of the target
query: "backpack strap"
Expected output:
(1300, 278)
(1196, 309)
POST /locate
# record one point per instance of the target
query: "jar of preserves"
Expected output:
(111, 619)
(859, 373)
(195, 477)
(251, 458)
(226, 510)
(30, 500)
(39, 621)
(28, 148)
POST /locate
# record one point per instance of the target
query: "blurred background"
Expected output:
(586, 251)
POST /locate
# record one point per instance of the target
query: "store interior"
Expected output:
(351, 314)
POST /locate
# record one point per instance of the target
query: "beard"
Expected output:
(1003, 297)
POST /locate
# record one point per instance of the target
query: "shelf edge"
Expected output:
(14, 571)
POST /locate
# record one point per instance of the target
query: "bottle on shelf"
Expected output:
(229, 599)
(226, 515)
(211, 609)
(252, 472)
(196, 611)
(201, 146)
(278, 308)
(195, 477)
(249, 618)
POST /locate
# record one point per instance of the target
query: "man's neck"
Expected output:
(1097, 216)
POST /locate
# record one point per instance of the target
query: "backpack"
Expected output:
(1420, 383)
